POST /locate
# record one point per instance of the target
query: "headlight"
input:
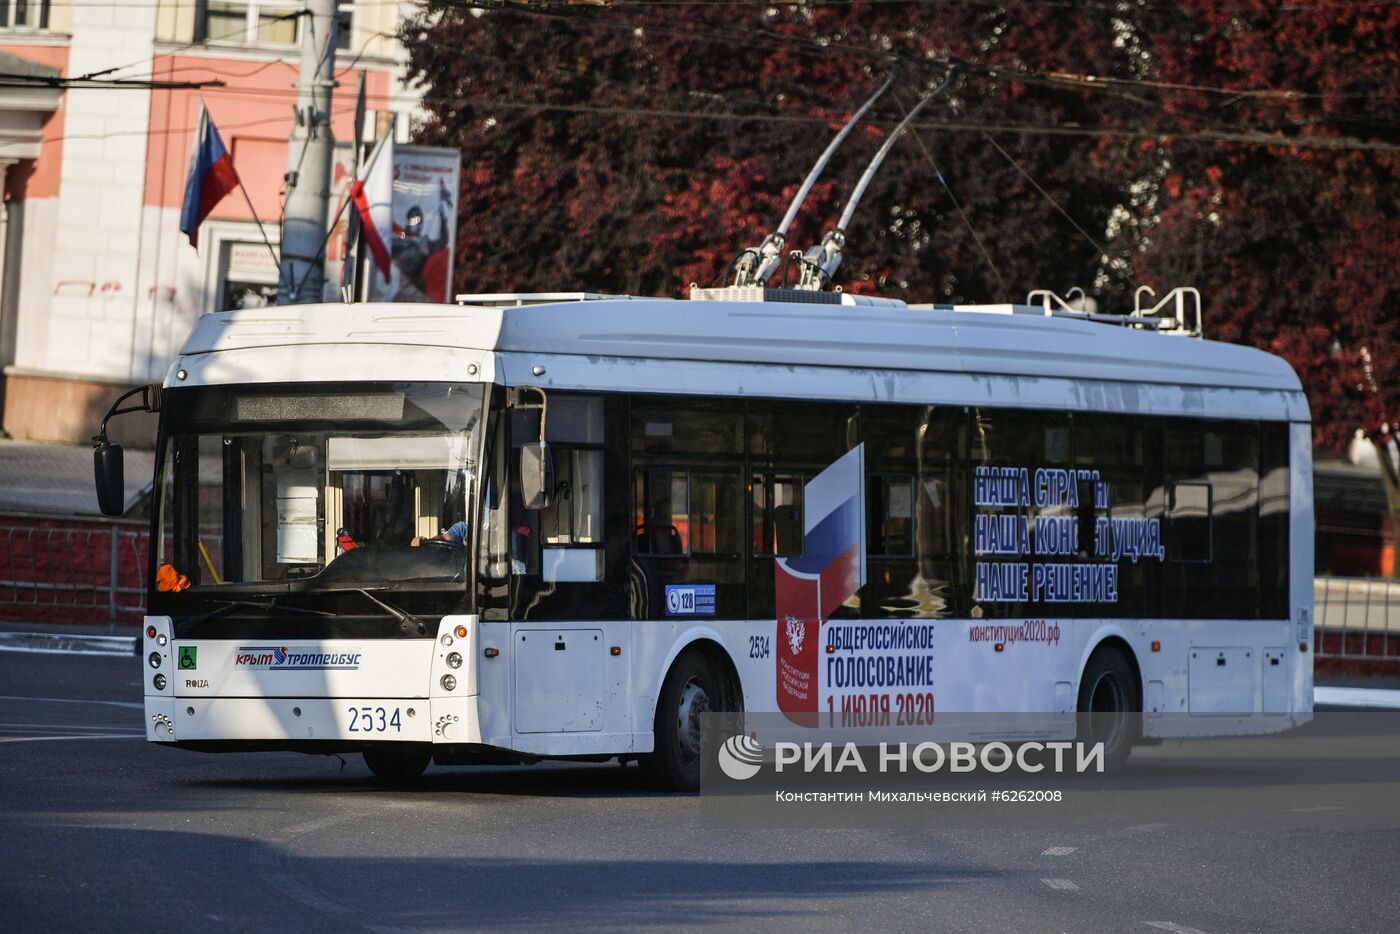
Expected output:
(448, 683)
(454, 660)
(159, 682)
(154, 659)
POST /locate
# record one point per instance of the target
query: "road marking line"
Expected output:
(1357, 697)
(74, 700)
(48, 739)
(1173, 927)
(1143, 828)
(126, 652)
(1059, 851)
(55, 729)
(67, 643)
(31, 727)
(1061, 885)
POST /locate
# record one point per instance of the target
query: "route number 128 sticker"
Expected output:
(690, 599)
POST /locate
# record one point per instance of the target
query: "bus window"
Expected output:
(687, 426)
(662, 521)
(1188, 532)
(777, 514)
(889, 511)
(575, 515)
(684, 512)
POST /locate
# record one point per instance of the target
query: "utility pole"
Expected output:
(310, 153)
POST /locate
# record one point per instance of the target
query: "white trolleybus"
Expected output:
(566, 525)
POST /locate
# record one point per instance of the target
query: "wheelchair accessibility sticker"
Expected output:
(189, 657)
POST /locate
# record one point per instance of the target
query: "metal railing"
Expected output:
(1357, 617)
(52, 571)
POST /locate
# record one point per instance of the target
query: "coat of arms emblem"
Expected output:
(796, 632)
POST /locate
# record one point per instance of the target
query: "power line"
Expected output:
(1102, 250)
(1062, 129)
(967, 222)
(9, 79)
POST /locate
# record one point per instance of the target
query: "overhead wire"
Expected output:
(1102, 250)
(957, 206)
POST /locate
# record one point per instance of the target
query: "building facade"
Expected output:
(98, 285)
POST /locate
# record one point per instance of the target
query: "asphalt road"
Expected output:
(101, 831)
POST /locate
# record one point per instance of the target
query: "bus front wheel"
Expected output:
(690, 691)
(397, 765)
(1110, 705)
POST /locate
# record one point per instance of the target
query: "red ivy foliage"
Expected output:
(637, 149)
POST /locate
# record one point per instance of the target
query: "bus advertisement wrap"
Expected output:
(808, 589)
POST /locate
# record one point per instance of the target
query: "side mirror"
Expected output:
(536, 475)
(107, 466)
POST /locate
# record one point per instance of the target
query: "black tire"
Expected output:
(397, 766)
(691, 689)
(1110, 705)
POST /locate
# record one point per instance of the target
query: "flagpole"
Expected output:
(320, 253)
(257, 220)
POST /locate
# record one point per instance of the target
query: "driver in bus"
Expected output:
(455, 533)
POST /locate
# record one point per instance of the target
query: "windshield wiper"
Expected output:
(406, 620)
(231, 605)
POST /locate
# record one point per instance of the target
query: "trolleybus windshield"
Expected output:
(303, 489)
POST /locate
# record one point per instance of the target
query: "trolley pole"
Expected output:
(310, 153)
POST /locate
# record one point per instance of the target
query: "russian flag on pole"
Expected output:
(211, 177)
(373, 195)
(808, 589)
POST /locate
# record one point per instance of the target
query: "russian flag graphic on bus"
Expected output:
(808, 589)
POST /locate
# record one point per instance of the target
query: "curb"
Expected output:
(1371, 698)
(53, 643)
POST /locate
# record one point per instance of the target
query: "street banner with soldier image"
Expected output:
(424, 227)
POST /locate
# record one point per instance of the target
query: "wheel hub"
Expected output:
(694, 704)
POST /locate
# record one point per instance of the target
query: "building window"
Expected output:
(24, 14)
(248, 276)
(262, 23)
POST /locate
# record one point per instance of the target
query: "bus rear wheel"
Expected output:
(690, 691)
(397, 766)
(1110, 705)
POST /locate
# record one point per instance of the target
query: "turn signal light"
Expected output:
(615, 650)
(999, 647)
(492, 653)
(461, 632)
(830, 649)
(150, 632)
(1302, 646)
(1156, 646)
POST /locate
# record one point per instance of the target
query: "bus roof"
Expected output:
(1008, 340)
